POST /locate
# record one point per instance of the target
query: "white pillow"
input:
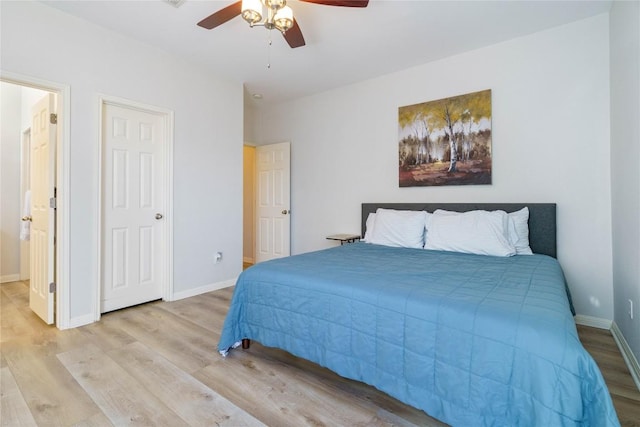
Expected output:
(519, 231)
(475, 232)
(399, 228)
(368, 229)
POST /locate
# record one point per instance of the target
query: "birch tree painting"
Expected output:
(446, 142)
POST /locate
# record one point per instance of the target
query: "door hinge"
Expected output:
(53, 118)
(53, 202)
(52, 287)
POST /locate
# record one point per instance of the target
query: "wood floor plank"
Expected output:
(17, 292)
(366, 395)
(276, 395)
(98, 420)
(120, 396)
(106, 335)
(198, 310)
(623, 390)
(628, 411)
(14, 411)
(52, 394)
(193, 401)
(29, 352)
(13, 324)
(5, 301)
(184, 343)
(17, 319)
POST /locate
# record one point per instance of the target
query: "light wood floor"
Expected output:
(156, 364)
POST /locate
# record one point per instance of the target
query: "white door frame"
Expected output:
(167, 223)
(63, 109)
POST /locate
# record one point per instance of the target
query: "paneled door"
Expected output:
(25, 204)
(42, 228)
(132, 204)
(273, 223)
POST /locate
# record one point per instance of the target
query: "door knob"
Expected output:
(284, 212)
(26, 218)
(158, 216)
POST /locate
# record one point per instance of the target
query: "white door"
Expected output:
(273, 224)
(133, 242)
(43, 168)
(25, 178)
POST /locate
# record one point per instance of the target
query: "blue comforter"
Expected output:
(469, 339)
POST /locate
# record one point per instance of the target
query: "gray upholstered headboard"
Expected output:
(542, 218)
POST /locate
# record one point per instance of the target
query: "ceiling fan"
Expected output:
(279, 16)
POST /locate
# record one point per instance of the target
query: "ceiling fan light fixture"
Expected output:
(284, 19)
(252, 11)
(278, 16)
(275, 4)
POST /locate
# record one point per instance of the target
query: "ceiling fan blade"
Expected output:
(342, 3)
(293, 36)
(221, 16)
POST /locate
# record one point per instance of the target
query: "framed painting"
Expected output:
(446, 142)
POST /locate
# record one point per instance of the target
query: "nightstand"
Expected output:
(344, 238)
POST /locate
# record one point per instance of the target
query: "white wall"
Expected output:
(208, 138)
(10, 96)
(250, 117)
(625, 175)
(550, 97)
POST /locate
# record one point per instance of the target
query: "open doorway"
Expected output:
(27, 162)
(267, 208)
(248, 217)
(16, 136)
(20, 98)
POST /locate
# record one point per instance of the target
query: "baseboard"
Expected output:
(248, 260)
(594, 322)
(89, 318)
(10, 278)
(203, 289)
(627, 354)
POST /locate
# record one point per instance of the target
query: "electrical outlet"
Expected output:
(218, 257)
(631, 309)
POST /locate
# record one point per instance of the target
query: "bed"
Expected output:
(470, 339)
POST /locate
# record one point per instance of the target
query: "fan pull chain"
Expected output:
(269, 50)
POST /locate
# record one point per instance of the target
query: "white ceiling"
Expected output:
(343, 45)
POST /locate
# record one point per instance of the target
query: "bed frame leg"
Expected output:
(246, 343)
